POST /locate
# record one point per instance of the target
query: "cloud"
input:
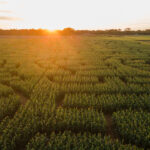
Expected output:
(5, 11)
(8, 18)
(3, 2)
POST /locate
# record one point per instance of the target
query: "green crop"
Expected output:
(75, 93)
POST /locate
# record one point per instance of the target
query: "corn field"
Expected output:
(75, 93)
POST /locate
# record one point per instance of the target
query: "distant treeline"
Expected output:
(71, 31)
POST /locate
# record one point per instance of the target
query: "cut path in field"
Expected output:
(23, 98)
(109, 127)
(73, 72)
(59, 99)
(110, 130)
(143, 40)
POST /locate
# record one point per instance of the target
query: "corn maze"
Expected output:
(75, 93)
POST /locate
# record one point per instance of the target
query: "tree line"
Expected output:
(71, 31)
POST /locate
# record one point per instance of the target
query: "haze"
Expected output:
(78, 14)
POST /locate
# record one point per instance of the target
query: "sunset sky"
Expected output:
(78, 14)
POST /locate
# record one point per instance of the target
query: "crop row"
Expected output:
(79, 120)
(29, 119)
(114, 86)
(117, 70)
(133, 127)
(120, 71)
(8, 106)
(107, 102)
(74, 79)
(5, 90)
(39, 114)
(138, 80)
(70, 141)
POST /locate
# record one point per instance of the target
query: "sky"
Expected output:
(78, 14)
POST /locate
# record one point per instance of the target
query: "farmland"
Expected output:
(75, 93)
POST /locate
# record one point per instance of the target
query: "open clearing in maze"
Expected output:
(75, 92)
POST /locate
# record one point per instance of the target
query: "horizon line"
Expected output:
(121, 29)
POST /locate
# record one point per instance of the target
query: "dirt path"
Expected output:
(23, 98)
(110, 129)
(59, 99)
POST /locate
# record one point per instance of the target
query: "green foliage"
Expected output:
(29, 119)
(79, 120)
(70, 141)
(59, 92)
(9, 106)
(107, 102)
(133, 126)
(5, 90)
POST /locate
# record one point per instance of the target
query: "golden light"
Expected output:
(78, 14)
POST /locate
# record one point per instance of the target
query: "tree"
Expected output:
(68, 31)
(127, 29)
